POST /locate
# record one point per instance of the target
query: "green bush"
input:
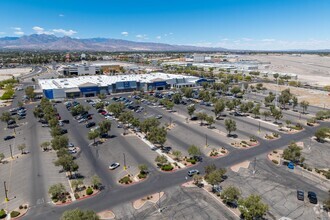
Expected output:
(275, 151)
(275, 161)
(191, 160)
(89, 191)
(14, 214)
(167, 167)
(244, 142)
(20, 207)
(142, 175)
(2, 214)
(275, 134)
(125, 180)
(76, 195)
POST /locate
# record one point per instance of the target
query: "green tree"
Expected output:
(252, 207)
(256, 110)
(157, 135)
(177, 98)
(59, 142)
(294, 102)
(191, 109)
(219, 106)
(230, 125)
(57, 191)
(266, 114)
(277, 114)
(143, 168)
(304, 105)
(116, 108)
(202, 117)
(148, 124)
(177, 154)
(77, 214)
(67, 162)
(55, 131)
(99, 105)
(292, 153)
(194, 151)
(126, 117)
(215, 176)
(285, 97)
(322, 133)
(197, 179)
(230, 105)
(21, 147)
(96, 181)
(210, 121)
(6, 116)
(105, 126)
(161, 159)
(76, 183)
(29, 92)
(231, 194)
(92, 135)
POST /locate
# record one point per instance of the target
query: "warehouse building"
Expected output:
(79, 69)
(89, 86)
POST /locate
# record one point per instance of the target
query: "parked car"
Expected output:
(9, 137)
(82, 120)
(104, 135)
(12, 126)
(114, 166)
(159, 116)
(90, 124)
(45, 125)
(66, 121)
(64, 131)
(300, 195)
(11, 122)
(312, 197)
(70, 145)
(21, 117)
(192, 172)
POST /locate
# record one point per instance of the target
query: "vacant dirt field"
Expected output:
(8, 73)
(314, 97)
(312, 69)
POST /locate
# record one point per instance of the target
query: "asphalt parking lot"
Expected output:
(278, 192)
(177, 203)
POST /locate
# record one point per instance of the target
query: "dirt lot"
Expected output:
(313, 69)
(314, 97)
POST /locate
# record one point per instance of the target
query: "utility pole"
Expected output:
(11, 151)
(124, 162)
(6, 191)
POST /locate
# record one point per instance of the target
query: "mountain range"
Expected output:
(52, 42)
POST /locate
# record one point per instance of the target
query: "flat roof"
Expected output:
(103, 80)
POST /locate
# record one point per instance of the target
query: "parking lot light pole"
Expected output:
(11, 151)
(124, 161)
(6, 195)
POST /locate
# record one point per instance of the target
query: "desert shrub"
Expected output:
(191, 160)
(275, 151)
(89, 191)
(25, 207)
(167, 167)
(244, 142)
(20, 207)
(125, 180)
(275, 161)
(142, 175)
(275, 134)
(2, 214)
(14, 214)
(223, 151)
(76, 195)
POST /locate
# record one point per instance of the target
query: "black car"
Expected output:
(90, 124)
(11, 122)
(21, 117)
(166, 150)
(64, 131)
(300, 195)
(312, 197)
(12, 126)
(105, 135)
(65, 121)
(9, 137)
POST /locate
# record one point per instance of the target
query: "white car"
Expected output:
(159, 116)
(114, 166)
(82, 120)
(109, 117)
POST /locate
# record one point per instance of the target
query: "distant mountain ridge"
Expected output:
(52, 42)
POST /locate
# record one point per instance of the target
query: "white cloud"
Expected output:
(159, 37)
(125, 33)
(246, 39)
(61, 15)
(2, 33)
(40, 30)
(18, 30)
(268, 40)
(142, 36)
(64, 32)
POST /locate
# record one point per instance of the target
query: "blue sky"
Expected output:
(234, 24)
